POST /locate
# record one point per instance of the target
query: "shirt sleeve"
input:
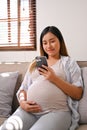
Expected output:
(74, 77)
(26, 83)
(75, 73)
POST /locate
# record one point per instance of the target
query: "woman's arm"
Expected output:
(21, 93)
(29, 106)
(71, 90)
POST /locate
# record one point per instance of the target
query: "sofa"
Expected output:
(11, 76)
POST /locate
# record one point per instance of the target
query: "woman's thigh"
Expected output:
(53, 121)
(28, 119)
(22, 118)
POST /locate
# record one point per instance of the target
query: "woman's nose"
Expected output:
(48, 45)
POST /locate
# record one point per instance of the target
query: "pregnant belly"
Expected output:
(47, 95)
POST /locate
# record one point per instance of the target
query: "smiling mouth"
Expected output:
(50, 50)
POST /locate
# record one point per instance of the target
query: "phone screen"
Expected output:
(41, 60)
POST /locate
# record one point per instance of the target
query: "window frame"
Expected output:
(32, 29)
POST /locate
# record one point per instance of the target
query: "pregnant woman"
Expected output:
(49, 95)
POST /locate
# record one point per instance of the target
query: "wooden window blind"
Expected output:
(17, 25)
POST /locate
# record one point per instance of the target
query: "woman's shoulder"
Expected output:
(67, 58)
(68, 61)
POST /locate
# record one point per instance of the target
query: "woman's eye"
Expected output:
(44, 43)
(52, 41)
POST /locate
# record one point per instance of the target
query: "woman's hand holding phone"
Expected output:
(48, 73)
(43, 68)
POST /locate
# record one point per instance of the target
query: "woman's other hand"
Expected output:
(30, 106)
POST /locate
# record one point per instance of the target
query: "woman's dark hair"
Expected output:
(54, 30)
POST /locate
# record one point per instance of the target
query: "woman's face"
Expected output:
(51, 45)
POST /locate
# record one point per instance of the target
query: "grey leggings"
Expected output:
(50, 121)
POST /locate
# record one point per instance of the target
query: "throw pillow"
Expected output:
(7, 85)
(83, 101)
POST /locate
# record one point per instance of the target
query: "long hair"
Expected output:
(32, 66)
(63, 50)
(54, 30)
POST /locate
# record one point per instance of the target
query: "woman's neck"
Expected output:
(52, 60)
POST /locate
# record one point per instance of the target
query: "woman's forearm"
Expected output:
(69, 89)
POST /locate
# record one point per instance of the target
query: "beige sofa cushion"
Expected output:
(83, 101)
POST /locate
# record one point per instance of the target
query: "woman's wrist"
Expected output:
(22, 96)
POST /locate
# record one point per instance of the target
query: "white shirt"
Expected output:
(47, 94)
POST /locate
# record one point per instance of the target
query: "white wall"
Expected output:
(70, 16)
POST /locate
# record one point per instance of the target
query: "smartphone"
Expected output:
(41, 60)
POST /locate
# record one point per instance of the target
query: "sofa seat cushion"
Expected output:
(2, 119)
(82, 127)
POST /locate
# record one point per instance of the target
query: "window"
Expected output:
(17, 25)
